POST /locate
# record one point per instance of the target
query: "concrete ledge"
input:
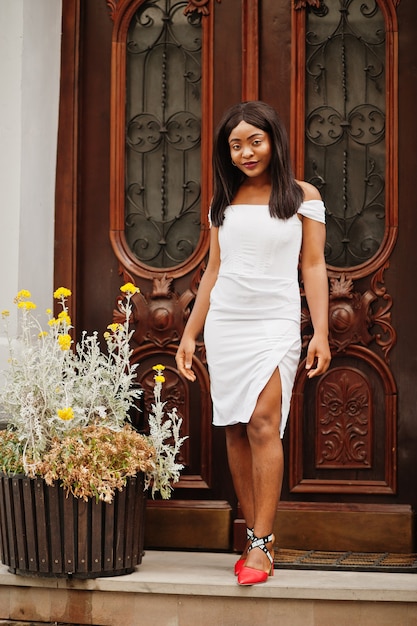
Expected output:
(184, 588)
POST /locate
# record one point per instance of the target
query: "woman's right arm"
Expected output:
(198, 315)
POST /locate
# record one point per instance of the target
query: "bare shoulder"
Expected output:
(310, 191)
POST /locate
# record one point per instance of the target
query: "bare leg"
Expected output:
(267, 464)
(240, 463)
(256, 463)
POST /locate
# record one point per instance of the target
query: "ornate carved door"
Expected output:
(343, 453)
(143, 84)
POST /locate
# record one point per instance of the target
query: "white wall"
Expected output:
(30, 46)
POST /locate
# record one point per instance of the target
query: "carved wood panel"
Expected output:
(344, 413)
(158, 321)
(362, 439)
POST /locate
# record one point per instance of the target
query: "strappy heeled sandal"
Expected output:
(252, 576)
(241, 562)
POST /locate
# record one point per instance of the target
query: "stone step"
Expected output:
(199, 589)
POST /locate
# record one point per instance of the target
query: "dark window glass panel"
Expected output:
(345, 124)
(163, 114)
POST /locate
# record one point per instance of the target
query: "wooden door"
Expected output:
(143, 85)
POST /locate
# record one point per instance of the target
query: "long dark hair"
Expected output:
(286, 194)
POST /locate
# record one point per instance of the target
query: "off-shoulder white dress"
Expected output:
(253, 322)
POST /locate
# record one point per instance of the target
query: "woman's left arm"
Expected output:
(313, 268)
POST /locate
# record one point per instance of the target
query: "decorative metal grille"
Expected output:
(163, 113)
(345, 124)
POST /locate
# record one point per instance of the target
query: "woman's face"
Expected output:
(250, 149)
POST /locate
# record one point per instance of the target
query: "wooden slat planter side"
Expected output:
(57, 524)
(30, 526)
(44, 532)
(40, 524)
(4, 547)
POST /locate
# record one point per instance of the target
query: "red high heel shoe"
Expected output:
(241, 562)
(252, 576)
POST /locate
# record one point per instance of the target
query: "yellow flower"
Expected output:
(64, 342)
(26, 305)
(23, 293)
(64, 318)
(62, 292)
(66, 414)
(48, 311)
(159, 378)
(115, 327)
(43, 333)
(53, 322)
(106, 335)
(129, 288)
(5, 313)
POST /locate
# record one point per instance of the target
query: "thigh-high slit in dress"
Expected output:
(253, 323)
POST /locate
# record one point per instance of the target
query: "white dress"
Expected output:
(253, 322)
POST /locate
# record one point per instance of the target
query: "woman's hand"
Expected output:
(184, 358)
(318, 356)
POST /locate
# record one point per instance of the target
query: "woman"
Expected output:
(249, 305)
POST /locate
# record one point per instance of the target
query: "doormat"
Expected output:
(346, 561)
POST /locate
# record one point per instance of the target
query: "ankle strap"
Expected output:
(249, 534)
(260, 542)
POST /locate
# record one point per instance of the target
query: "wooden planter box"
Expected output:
(45, 533)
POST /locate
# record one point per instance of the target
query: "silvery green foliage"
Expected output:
(50, 389)
(166, 439)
